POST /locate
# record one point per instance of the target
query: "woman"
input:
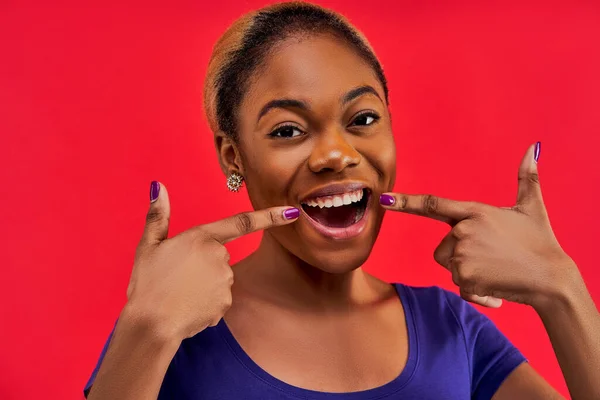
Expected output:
(298, 104)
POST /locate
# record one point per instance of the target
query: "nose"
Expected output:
(332, 152)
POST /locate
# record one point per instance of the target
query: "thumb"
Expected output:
(529, 191)
(157, 218)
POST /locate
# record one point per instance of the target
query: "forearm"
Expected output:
(573, 325)
(136, 361)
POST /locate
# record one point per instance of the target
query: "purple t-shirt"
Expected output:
(454, 352)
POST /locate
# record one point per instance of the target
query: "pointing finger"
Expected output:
(242, 224)
(445, 210)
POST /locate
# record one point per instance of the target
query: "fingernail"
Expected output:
(386, 200)
(291, 213)
(154, 190)
(536, 152)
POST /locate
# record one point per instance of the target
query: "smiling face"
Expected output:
(314, 132)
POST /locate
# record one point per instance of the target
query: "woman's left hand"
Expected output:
(499, 253)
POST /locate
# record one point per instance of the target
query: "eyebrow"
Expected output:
(359, 91)
(293, 103)
(282, 103)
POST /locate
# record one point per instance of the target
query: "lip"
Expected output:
(333, 189)
(348, 232)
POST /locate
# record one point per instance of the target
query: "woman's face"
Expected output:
(315, 133)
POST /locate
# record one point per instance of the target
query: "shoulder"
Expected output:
(434, 306)
(434, 299)
(444, 321)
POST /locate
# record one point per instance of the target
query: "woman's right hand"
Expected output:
(180, 286)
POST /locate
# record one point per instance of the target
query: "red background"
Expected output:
(97, 102)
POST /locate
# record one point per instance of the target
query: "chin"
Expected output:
(336, 249)
(340, 261)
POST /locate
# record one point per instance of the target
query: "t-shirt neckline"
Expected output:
(379, 392)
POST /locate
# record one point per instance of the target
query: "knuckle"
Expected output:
(455, 262)
(229, 276)
(220, 251)
(534, 178)
(438, 256)
(219, 255)
(461, 230)
(482, 214)
(531, 177)
(199, 237)
(404, 201)
(430, 204)
(475, 208)
(455, 267)
(461, 249)
(203, 237)
(274, 218)
(244, 223)
(227, 301)
(199, 231)
(153, 216)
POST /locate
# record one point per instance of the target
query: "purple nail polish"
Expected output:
(386, 200)
(536, 152)
(291, 213)
(154, 190)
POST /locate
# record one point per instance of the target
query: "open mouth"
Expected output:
(338, 211)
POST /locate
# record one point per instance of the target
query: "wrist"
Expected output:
(563, 292)
(147, 325)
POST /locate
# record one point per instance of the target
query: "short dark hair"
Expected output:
(244, 46)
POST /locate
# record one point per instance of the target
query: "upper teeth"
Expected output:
(337, 200)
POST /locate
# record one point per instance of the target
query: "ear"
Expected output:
(228, 153)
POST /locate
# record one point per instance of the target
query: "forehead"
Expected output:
(314, 69)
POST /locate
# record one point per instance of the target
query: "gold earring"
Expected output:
(234, 182)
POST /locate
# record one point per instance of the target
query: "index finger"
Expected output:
(426, 205)
(242, 224)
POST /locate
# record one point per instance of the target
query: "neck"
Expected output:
(273, 271)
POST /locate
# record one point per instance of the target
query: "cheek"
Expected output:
(270, 172)
(381, 154)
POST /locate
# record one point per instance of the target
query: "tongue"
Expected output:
(334, 217)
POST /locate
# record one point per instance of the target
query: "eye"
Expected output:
(365, 119)
(286, 131)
